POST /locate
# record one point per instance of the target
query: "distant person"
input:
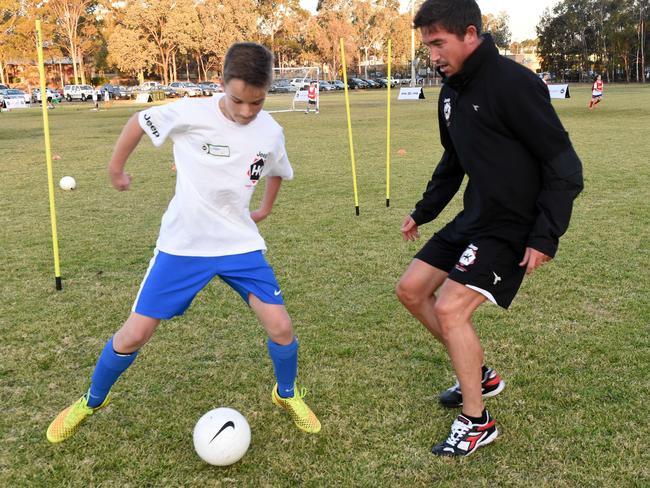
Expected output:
(546, 78)
(596, 92)
(498, 127)
(312, 97)
(95, 96)
(223, 146)
(107, 98)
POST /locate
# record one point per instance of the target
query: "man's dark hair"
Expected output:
(249, 62)
(452, 15)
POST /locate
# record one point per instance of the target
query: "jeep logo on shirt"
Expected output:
(255, 171)
(149, 124)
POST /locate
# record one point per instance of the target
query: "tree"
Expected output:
(222, 23)
(497, 26)
(69, 17)
(167, 25)
(10, 10)
(273, 15)
(371, 20)
(333, 23)
(587, 36)
(129, 51)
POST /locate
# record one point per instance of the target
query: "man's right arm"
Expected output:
(444, 184)
(126, 143)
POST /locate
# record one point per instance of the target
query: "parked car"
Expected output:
(281, 85)
(12, 93)
(77, 92)
(210, 87)
(337, 84)
(356, 83)
(150, 85)
(325, 86)
(3, 87)
(168, 90)
(52, 95)
(372, 84)
(300, 83)
(115, 91)
(185, 89)
(384, 82)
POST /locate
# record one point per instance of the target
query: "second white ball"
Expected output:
(67, 183)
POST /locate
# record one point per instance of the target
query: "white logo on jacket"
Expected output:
(446, 109)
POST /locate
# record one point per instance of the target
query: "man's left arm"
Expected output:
(532, 118)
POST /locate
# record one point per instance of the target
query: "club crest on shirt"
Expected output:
(467, 258)
(446, 110)
(255, 170)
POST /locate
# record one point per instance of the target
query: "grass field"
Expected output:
(574, 348)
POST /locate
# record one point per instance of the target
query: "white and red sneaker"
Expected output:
(466, 437)
(491, 385)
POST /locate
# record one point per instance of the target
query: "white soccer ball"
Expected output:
(222, 436)
(67, 183)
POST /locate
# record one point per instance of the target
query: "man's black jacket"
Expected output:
(497, 126)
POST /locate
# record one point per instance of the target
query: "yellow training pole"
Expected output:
(388, 129)
(48, 158)
(347, 110)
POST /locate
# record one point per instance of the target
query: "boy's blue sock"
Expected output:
(285, 364)
(108, 369)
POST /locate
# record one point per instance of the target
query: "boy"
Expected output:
(596, 92)
(95, 97)
(312, 97)
(222, 147)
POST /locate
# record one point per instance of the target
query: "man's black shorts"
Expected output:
(487, 265)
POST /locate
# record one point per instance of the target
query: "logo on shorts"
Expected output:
(497, 278)
(277, 292)
(467, 258)
(254, 172)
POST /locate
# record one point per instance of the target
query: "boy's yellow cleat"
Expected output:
(66, 423)
(298, 409)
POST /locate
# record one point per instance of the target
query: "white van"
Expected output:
(77, 92)
(300, 83)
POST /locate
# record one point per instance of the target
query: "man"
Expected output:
(223, 146)
(498, 127)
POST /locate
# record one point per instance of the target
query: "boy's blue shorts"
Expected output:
(172, 282)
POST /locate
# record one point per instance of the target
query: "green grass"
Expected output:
(574, 347)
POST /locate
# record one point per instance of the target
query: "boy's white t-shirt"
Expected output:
(218, 164)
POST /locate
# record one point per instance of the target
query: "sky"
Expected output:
(524, 14)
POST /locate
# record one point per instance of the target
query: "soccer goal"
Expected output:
(296, 81)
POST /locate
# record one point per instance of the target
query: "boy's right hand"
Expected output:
(121, 181)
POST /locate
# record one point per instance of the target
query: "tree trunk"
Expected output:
(164, 57)
(81, 68)
(2, 74)
(642, 50)
(199, 71)
(73, 55)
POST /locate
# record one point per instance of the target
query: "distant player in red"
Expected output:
(596, 92)
(312, 97)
